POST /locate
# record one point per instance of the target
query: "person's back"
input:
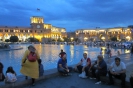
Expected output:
(61, 53)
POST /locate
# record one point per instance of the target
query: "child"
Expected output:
(2, 77)
(41, 70)
(10, 75)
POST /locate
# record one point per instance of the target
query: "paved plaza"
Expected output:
(75, 82)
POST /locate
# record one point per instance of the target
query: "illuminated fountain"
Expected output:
(49, 55)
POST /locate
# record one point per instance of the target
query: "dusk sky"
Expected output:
(69, 14)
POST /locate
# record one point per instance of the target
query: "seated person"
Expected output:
(118, 70)
(62, 66)
(131, 80)
(10, 75)
(83, 65)
(99, 70)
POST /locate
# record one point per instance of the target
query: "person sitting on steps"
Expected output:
(62, 66)
(99, 68)
(83, 65)
(118, 70)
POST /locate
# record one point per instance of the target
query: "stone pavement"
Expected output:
(72, 81)
(75, 82)
(53, 80)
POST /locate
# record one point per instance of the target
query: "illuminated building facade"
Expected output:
(38, 29)
(104, 34)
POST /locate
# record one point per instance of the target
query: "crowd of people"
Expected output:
(94, 70)
(32, 68)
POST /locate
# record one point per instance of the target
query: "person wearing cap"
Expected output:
(30, 69)
(61, 53)
(118, 70)
(62, 66)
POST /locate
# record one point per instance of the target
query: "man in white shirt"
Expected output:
(84, 65)
(118, 70)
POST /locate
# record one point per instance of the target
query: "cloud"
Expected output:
(68, 14)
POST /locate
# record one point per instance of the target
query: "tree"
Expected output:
(14, 39)
(31, 39)
(114, 39)
(76, 39)
(59, 40)
(66, 39)
(53, 40)
(7, 40)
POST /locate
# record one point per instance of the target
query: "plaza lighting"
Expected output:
(103, 38)
(128, 38)
(71, 38)
(85, 38)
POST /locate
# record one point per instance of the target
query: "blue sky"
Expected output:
(69, 14)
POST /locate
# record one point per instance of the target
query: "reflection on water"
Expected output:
(50, 55)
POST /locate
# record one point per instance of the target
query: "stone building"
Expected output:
(38, 29)
(104, 34)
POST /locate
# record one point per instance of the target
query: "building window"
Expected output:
(21, 30)
(30, 31)
(41, 31)
(1, 30)
(11, 30)
(35, 31)
(26, 31)
(6, 30)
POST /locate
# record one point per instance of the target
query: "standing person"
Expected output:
(131, 51)
(41, 69)
(101, 51)
(108, 53)
(118, 70)
(2, 77)
(62, 66)
(118, 53)
(30, 64)
(61, 53)
(131, 79)
(83, 65)
(10, 75)
(99, 70)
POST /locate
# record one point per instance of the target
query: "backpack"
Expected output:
(32, 57)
